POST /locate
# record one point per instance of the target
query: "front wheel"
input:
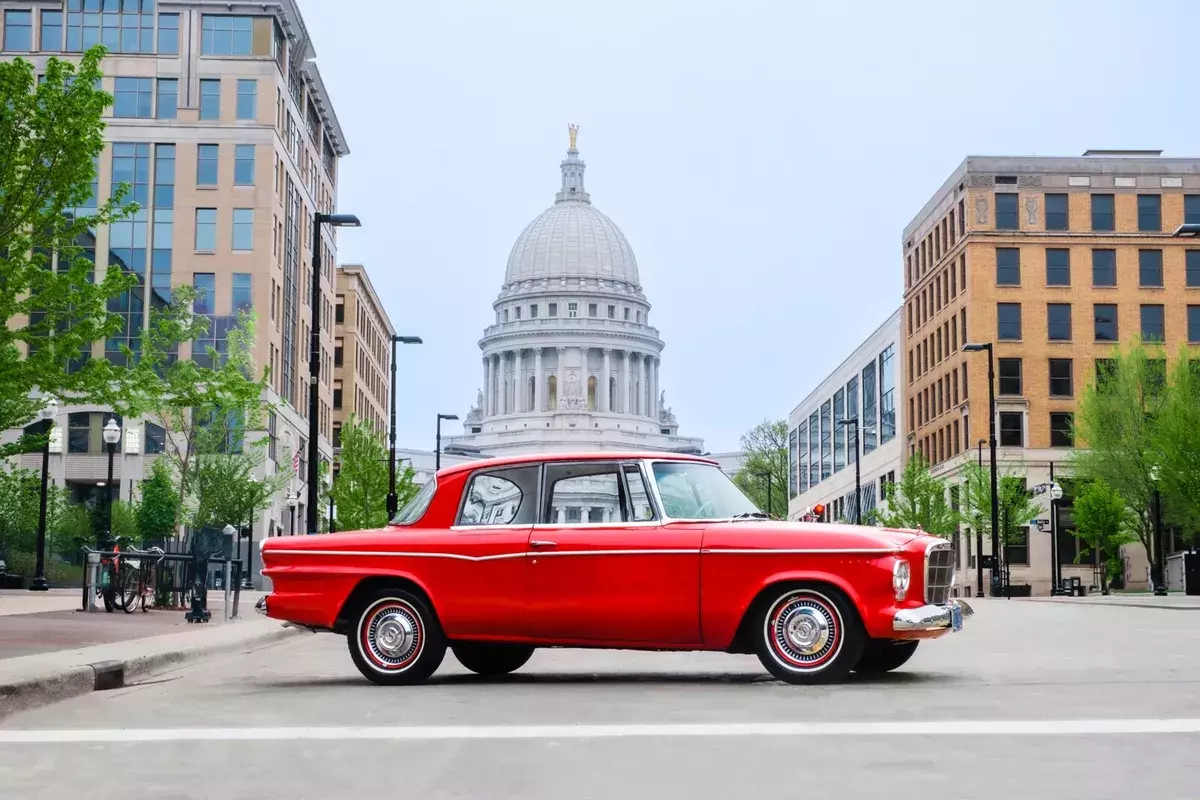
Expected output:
(809, 635)
(396, 639)
(884, 655)
(490, 658)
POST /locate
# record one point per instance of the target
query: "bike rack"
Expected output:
(92, 574)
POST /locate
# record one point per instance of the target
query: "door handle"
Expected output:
(542, 543)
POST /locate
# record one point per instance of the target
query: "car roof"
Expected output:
(539, 458)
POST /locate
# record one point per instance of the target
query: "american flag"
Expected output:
(296, 462)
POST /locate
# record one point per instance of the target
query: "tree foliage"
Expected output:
(765, 449)
(51, 133)
(158, 509)
(918, 501)
(227, 491)
(361, 488)
(1176, 438)
(1016, 506)
(1103, 521)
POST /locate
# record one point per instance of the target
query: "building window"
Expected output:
(18, 30)
(207, 158)
(1058, 267)
(206, 230)
(552, 310)
(133, 98)
(225, 35)
(168, 34)
(243, 165)
(517, 312)
(1016, 549)
(612, 312)
(1104, 268)
(869, 406)
(593, 310)
(1061, 377)
(1105, 322)
(51, 40)
(826, 439)
(1149, 212)
(79, 427)
(1008, 321)
(1012, 429)
(339, 352)
(1007, 218)
(1152, 324)
(1061, 433)
(205, 284)
(1150, 268)
(506, 315)
(167, 106)
(337, 397)
(1008, 266)
(1010, 376)
(887, 395)
(156, 439)
(247, 99)
(839, 430)
(131, 31)
(243, 229)
(1103, 213)
(1056, 213)
(1193, 323)
(627, 313)
(1058, 322)
(242, 294)
(210, 99)
(572, 309)
(533, 311)
(1193, 267)
(1191, 208)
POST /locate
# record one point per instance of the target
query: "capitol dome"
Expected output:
(572, 239)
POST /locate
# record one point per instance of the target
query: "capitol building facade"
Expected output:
(571, 361)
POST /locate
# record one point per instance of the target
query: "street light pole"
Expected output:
(112, 435)
(47, 414)
(314, 358)
(974, 348)
(1055, 576)
(979, 540)
(438, 454)
(857, 471)
(1158, 572)
(393, 501)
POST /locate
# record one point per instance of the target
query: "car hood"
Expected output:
(814, 535)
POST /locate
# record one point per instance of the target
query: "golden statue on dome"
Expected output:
(572, 131)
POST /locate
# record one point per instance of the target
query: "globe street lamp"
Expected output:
(46, 417)
(314, 356)
(292, 499)
(393, 502)
(112, 435)
(975, 348)
(438, 456)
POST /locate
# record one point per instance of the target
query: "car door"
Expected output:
(482, 590)
(603, 568)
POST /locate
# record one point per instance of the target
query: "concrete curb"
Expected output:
(1113, 604)
(34, 681)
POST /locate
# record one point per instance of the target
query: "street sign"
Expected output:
(1042, 524)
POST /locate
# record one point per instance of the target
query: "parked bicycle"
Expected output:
(136, 578)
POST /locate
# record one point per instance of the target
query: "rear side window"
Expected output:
(500, 497)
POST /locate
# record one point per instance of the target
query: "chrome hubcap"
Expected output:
(394, 634)
(807, 631)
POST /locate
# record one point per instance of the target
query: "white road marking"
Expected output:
(1077, 727)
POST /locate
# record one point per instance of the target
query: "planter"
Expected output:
(10, 581)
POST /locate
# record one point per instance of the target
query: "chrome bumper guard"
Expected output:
(933, 618)
(261, 605)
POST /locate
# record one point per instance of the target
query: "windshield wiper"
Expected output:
(750, 515)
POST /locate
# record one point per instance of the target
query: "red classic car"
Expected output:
(645, 551)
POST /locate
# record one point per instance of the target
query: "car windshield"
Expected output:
(415, 509)
(699, 491)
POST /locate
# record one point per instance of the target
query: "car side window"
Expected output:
(640, 507)
(584, 493)
(500, 497)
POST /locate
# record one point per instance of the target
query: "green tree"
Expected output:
(51, 310)
(1117, 435)
(361, 488)
(125, 521)
(918, 501)
(227, 491)
(765, 449)
(1177, 441)
(1016, 507)
(159, 506)
(19, 503)
(1103, 521)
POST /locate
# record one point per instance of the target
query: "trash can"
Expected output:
(1191, 573)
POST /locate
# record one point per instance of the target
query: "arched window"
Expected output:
(552, 391)
(592, 393)
(613, 399)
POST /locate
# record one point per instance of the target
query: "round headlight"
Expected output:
(901, 577)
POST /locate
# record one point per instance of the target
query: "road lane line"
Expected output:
(1075, 727)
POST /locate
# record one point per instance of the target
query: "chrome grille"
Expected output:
(939, 573)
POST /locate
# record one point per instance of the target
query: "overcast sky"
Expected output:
(762, 158)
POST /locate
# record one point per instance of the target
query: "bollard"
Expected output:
(228, 573)
(93, 580)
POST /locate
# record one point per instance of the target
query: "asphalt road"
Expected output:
(1035, 700)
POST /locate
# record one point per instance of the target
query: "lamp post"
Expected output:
(112, 435)
(393, 501)
(1055, 568)
(975, 348)
(857, 471)
(330, 482)
(979, 540)
(46, 416)
(314, 356)
(438, 456)
(292, 499)
(1158, 574)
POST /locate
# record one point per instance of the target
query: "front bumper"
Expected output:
(932, 618)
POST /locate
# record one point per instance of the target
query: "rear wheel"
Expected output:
(491, 658)
(885, 655)
(396, 639)
(809, 635)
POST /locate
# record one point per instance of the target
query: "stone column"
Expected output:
(654, 390)
(560, 376)
(489, 394)
(605, 395)
(585, 514)
(641, 399)
(562, 514)
(519, 382)
(539, 388)
(487, 362)
(625, 384)
(500, 387)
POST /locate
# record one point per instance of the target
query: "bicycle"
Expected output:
(137, 578)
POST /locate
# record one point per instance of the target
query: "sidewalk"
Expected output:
(1173, 601)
